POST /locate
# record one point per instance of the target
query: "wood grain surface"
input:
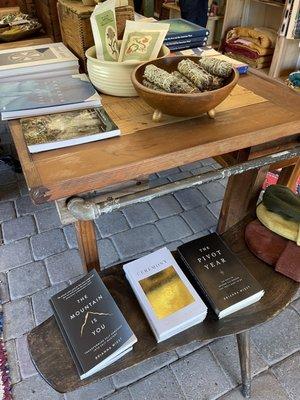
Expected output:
(52, 359)
(65, 172)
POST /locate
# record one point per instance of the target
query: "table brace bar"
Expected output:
(86, 210)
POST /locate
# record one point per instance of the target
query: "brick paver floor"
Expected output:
(39, 257)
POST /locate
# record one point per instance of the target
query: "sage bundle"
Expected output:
(214, 66)
(183, 78)
(217, 82)
(151, 85)
(194, 73)
(164, 80)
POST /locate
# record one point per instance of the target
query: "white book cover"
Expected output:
(168, 299)
(51, 73)
(22, 60)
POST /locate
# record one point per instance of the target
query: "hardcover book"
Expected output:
(36, 59)
(192, 41)
(182, 29)
(198, 51)
(20, 99)
(48, 132)
(184, 46)
(169, 301)
(220, 275)
(92, 325)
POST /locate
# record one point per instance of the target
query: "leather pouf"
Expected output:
(265, 244)
(289, 262)
(273, 249)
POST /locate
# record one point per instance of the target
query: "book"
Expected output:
(34, 97)
(167, 298)
(184, 46)
(92, 325)
(198, 51)
(226, 283)
(36, 59)
(43, 75)
(293, 25)
(54, 131)
(183, 29)
(192, 42)
(202, 36)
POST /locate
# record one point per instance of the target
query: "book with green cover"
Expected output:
(48, 132)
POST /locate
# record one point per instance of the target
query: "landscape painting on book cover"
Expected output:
(65, 126)
(166, 292)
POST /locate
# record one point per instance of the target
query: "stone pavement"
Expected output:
(39, 257)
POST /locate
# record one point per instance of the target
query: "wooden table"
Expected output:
(261, 117)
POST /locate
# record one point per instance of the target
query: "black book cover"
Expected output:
(221, 276)
(92, 324)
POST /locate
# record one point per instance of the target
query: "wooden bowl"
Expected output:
(180, 105)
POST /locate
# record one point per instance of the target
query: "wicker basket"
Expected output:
(46, 12)
(76, 28)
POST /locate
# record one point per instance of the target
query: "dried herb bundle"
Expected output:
(164, 80)
(183, 78)
(208, 73)
(193, 72)
(216, 67)
(150, 85)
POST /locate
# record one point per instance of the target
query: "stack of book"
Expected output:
(61, 107)
(35, 62)
(183, 34)
(92, 325)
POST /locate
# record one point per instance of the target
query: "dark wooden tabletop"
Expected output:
(65, 172)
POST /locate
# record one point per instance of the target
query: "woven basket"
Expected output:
(76, 28)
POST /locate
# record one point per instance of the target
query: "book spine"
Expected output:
(286, 17)
(242, 69)
(293, 20)
(188, 41)
(187, 36)
(186, 46)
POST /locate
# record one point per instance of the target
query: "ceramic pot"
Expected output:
(112, 77)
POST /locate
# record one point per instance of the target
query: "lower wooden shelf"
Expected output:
(53, 361)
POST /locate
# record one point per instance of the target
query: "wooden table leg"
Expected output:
(243, 340)
(87, 243)
(290, 175)
(240, 197)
